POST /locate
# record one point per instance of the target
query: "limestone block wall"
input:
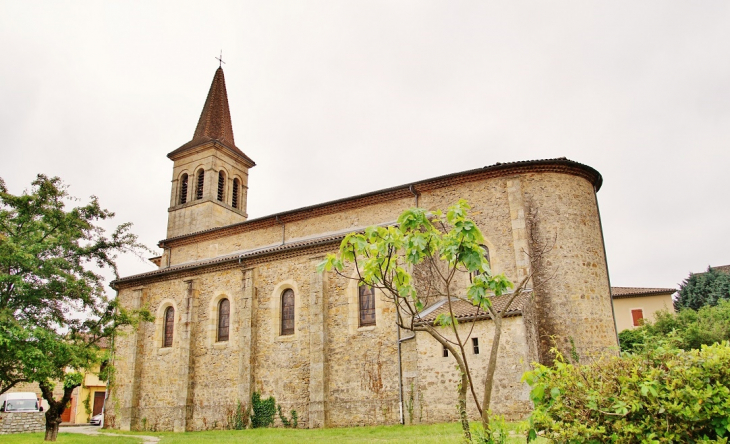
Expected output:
(331, 370)
(361, 361)
(432, 390)
(22, 422)
(572, 297)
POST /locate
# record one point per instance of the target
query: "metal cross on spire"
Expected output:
(220, 59)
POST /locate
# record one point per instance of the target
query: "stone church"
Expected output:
(239, 306)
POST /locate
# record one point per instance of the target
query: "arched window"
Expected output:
(366, 300)
(224, 316)
(169, 326)
(183, 189)
(287, 312)
(486, 256)
(221, 185)
(234, 193)
(199, 186)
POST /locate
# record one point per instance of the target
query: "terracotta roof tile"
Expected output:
(633, 292)
(214, 124)
(464, 310)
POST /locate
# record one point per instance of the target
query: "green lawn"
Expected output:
(436, 433)
(67, 438)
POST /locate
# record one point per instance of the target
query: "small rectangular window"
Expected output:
(446, 352)
(637, 316)
(475, 344)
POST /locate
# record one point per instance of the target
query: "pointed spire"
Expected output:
(215, 120)
(214, 124)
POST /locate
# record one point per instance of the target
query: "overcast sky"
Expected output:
(335, 98)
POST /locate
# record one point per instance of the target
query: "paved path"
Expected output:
(92, 430)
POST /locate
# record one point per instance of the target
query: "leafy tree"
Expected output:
(702, 289)
(687, 329)
(428, 257)
(53, 306)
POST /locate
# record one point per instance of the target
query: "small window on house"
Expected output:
(234, 193)
(638, 317)
(287, 312)
(366, 302)
(221, 185)
(199, 186)
(475, 344)
(183, 189)
(445, 352)
(224, 317)
(169, 325)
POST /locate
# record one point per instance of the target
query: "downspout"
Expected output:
(283, 229)
(412, 189)
(400, 372)
(608, 276)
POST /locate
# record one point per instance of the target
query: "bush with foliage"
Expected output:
(663, 395)
(688, 329)
(702, 289)
(263, 411)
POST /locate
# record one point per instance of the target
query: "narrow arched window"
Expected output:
(366, 301)
(199, 186)
(486, 256)
(287, 312)
(183, 189)
(169, 326)
(234, 193)
(224, 317)
(486, 253)
(221, 185)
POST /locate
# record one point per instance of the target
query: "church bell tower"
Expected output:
(210, 174)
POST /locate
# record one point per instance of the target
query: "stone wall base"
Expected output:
(22, 422)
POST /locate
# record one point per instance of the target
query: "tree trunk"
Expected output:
(463, 386)
(489, 379)
(55, 408)
(53, 420)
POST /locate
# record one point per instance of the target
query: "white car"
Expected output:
(96, 420)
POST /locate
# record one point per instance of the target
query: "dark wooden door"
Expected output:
(66, 415)
(98, 402)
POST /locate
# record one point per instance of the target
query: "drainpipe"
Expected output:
(412, 189)
(605, 259)
(283, 229)
(400, 372)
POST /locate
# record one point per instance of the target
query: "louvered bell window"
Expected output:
(234, 193)
(183, 189)
(201, 182)
(221, 185)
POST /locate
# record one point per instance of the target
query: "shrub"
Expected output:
(688, 329)
(237, 416)
(662, 395)
(293, 422)
(263, 411)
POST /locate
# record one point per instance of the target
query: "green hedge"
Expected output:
(664, 395)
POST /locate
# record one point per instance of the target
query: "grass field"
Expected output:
(436, 433)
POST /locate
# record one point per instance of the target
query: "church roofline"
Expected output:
(293, 245)
(559, 165)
